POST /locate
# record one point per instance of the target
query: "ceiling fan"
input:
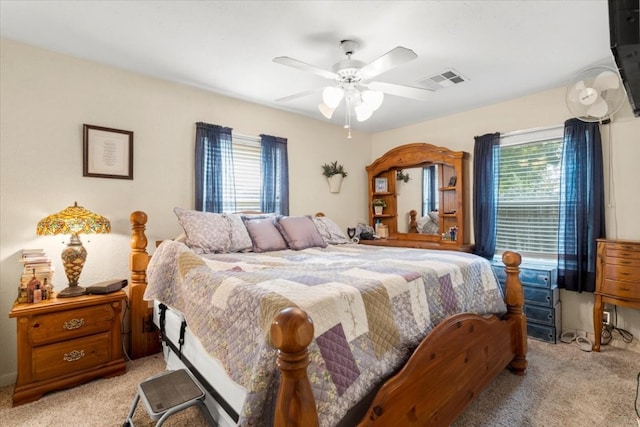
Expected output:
(353, 82)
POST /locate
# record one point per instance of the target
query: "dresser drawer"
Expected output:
(545, 333)
(544, 277)
(624, 261)
(622, 290)
(539, 296)
(71, 356)
(63, 325)
(543, 315)
(630, 249)
(622, 273)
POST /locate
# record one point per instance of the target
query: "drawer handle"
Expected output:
(73, 356)
(73, 324)
(625, 289)
(625, 262)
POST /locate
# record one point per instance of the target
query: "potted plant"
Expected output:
(401, 176)
(334, 174)
(378, 206)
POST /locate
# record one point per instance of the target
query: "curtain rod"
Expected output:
(526, 131)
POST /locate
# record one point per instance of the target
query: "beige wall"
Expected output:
(46, 97)
(621, 146)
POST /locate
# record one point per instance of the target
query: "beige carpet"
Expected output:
(564, 387)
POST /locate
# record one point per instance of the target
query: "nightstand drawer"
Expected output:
(622, 273)
(63, 325)
(71, 356)
(623, 290)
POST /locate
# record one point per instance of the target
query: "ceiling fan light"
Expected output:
(363, 112)
(331, 96)
(326, 111)
(373, 99)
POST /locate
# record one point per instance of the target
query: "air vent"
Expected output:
(442, 80)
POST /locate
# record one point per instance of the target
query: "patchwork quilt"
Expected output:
(370, 306)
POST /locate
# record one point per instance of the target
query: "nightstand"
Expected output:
(68, 341)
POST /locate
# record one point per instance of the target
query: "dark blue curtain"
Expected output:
(486, 158)
(581, 206)
(275, 175)
(215, 185)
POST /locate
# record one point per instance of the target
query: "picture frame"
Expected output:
(107, 152)
(452, 181)
(381, 185)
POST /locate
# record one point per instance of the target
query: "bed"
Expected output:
(291, 340)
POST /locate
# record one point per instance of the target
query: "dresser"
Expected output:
(542, 304)
(617, 279)
(67, 341)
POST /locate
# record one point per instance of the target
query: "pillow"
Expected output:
(430, 227)
(264, 235)
(329, 231)
(206, 232)
(299, 232)
(240, 240)
(421, 222)
(434, 217)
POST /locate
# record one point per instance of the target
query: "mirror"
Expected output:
(436, 182)
(419, 193)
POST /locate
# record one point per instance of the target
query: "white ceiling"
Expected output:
(506, 49)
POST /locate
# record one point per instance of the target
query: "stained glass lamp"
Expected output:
(73, 220)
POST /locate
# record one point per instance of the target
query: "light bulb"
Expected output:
(332, 96)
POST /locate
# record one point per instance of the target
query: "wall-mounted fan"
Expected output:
(353, 81)
(595, 94)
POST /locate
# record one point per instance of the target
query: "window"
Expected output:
(247, 172)
(529, 192)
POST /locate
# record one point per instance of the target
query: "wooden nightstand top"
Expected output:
(59, 304)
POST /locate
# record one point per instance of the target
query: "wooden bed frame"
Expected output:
(451, 366)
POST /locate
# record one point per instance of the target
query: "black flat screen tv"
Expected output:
(624, 34)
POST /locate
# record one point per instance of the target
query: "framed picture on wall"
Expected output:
(107, 153)
(381, 185)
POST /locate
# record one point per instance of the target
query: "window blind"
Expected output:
(529, 193)
(248, 178)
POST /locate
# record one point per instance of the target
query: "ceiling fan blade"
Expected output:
(290, 62)
(393, 58)
(298, 95)
(421, 94)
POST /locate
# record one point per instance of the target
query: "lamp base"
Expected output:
(71, 291)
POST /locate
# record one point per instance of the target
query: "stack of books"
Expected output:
(34, 261)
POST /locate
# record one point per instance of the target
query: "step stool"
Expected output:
(167, 394)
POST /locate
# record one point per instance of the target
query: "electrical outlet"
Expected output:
(606, 317)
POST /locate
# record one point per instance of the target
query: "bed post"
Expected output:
(291, 334)
(144, 337)
(514, 297)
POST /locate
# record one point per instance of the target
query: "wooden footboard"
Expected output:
(448, 369)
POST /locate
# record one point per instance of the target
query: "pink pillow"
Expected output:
(264, 235)
(299, 232)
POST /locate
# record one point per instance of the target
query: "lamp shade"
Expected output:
(73, 220)
(326, 111)
(331, 96)
(373, 99)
